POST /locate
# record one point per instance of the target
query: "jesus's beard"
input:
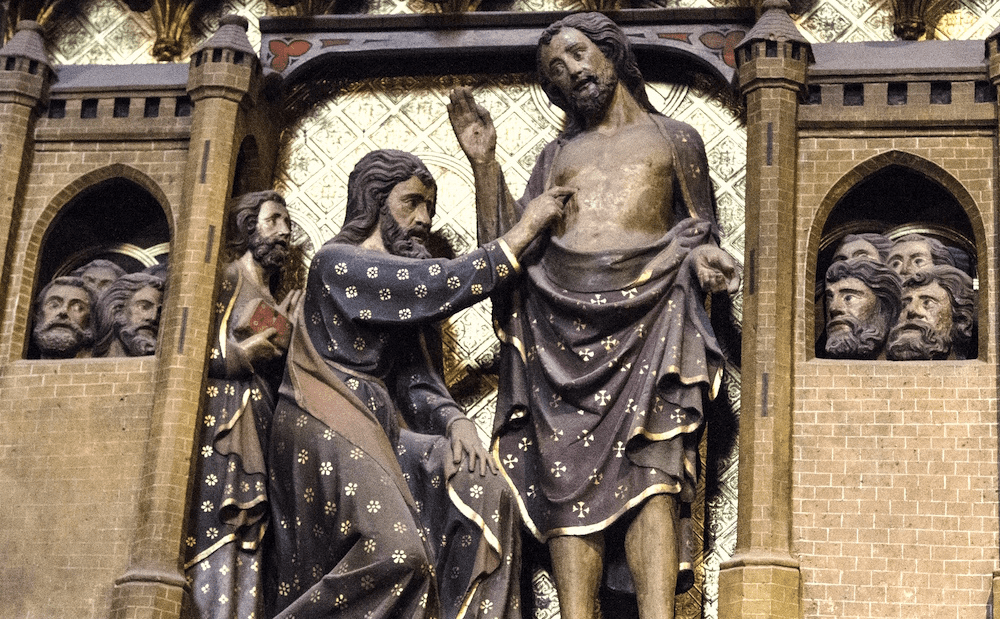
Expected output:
(860, 341)
(401, 242)
(591, 95)
(917, 340)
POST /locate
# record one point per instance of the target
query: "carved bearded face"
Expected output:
(925, 324)
(141, 321)
(410, 205)
(64, 328)
(855, 329)
(581, 71)
(269, 242)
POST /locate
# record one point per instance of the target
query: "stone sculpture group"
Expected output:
(336, 476)
(899, 300)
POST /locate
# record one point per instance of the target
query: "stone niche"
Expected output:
(114, 221)
(887, 207)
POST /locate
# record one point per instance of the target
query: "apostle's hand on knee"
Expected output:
(465, 443)
(716, 269)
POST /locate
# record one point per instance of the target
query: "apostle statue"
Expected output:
(228, 511)
(63, 326)
(128, 316)
(862, 304)
(385, 503)
(938, 318)
(608, 352)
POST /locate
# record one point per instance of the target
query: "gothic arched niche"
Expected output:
(894, 204)
(115, 220)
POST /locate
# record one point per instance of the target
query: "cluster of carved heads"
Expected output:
(99, 311)
(900, 300)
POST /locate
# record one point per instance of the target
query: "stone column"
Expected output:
(223, 81)
(762, 579)
(25, 76)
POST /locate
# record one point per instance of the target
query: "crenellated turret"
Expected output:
(226, 65)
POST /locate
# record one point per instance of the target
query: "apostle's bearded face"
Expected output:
(908, 257)
(141, 322)
(411, 207)
(581, 72)
(854, 327)
(858, 248)
(269, 242)
(924, 328)
(64, 327)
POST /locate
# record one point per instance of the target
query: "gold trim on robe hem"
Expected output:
(506, 338)
(582, 530)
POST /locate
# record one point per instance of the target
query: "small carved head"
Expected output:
(129, 311)
(913, 252)
(98, 275)
(862, 303)
(260, 224)
(869, 245)
(938, 318)
(63, 326)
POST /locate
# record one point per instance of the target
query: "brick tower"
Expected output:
(25, 76)
(762, 578)
(223, 83)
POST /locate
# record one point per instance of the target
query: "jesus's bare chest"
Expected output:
(624, 188)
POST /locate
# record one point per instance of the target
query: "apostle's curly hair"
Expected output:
(111, 306)
(963, 302)
(244, 218)
(369, 185)
(613, 43)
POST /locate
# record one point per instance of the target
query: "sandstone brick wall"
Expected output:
(895, 464)
(72, 440)
(74, 434)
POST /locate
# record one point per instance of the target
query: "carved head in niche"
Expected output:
(261, 226)
(862, 303)
(394, 190)
(913, 252)
(577, 81)
(128, 316)
(938, 316)
(98, 275)
(63, 327)
(869, 245)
